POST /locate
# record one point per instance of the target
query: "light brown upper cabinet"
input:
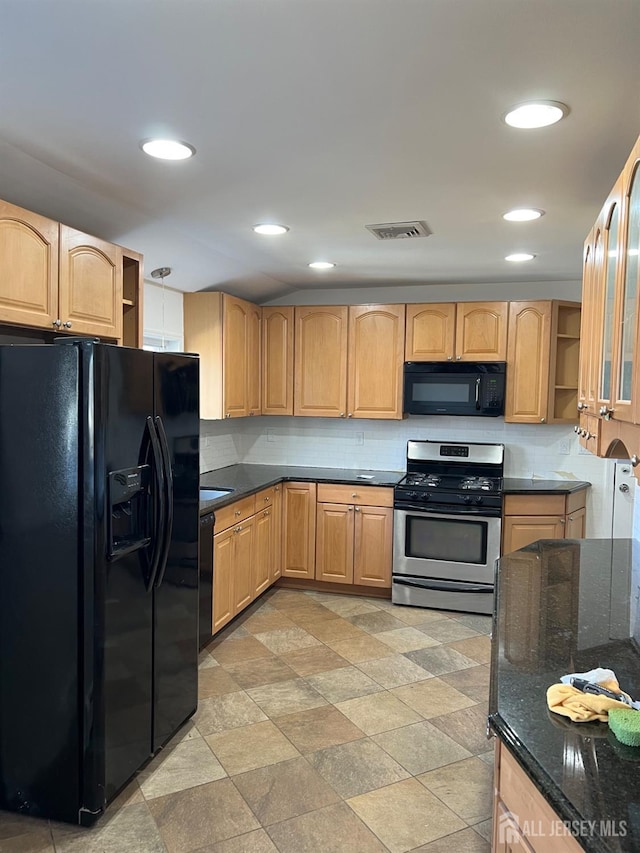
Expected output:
(277, 360)
(90, 285)
(28, 268)
(609, 401)
(348, 361)
(463, 331)
(56, 278)
(225, 332)
(542, 362)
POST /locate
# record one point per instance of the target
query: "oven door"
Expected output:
(448, 547)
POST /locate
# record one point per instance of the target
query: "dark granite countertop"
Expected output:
(561, 607)
(519, 486)
(246, 479)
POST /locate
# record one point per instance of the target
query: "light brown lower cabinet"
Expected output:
(246, 552)
(354, 544)
(520, 810)
(528, 518)
(299, 530)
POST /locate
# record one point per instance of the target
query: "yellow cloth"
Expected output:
(583, 707)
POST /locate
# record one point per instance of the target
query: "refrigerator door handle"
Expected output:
(159, 502)
(168, 480)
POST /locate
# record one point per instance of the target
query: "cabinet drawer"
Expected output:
(265, 498)
(338, 493)
(235, 512)
(576, 500)
(534, 504)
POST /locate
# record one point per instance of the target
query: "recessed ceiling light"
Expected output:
(535, 114)
(518, 257)
(523, 214)
(167, 149)
(270, 228)
(321, 265)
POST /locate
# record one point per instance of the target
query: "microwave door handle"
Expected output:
(478, 380)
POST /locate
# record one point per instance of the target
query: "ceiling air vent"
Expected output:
(399, 230)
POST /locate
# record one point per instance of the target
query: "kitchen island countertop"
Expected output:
(562, 607)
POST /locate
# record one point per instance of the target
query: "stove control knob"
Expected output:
(413, 495)
(467, 499)
(479, 499)
(426, 496)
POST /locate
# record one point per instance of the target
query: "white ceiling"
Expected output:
(326, 115)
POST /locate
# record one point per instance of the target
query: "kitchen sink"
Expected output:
(210, 494)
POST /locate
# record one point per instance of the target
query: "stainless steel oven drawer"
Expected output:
(442, 595)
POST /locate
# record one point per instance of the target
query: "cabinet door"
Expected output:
(243, 565)
(277, 361)
(254, 359)
(431, 332)
(575, 524)
(223, 608)
(299, 530)
(373, 547)
(518, 531)
(375, 361)
(28, 268)
(610, 321)
(481, 331)
(320, 387)
(626, 401)
(90, 286)
(528, 362)
(235, 337)
(276, 561)
(334, 543)
(263, 557)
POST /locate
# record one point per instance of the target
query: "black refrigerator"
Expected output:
(99, 486)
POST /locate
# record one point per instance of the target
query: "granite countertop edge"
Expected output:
(245, 480)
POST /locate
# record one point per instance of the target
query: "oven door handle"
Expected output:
(478, 393)
(458, 586)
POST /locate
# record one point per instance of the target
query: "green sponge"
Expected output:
(625, 724)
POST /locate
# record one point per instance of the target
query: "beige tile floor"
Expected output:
(326, 723)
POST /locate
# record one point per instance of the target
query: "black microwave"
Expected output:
(456, 388)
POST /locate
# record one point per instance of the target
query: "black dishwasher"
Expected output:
(205, 562)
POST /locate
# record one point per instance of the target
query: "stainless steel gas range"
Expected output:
(447, 523)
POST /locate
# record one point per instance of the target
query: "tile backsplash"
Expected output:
(531, 451)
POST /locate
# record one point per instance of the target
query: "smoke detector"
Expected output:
(399, 230)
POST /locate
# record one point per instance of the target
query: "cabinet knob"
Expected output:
(56, 323)
(237, 530)
(266, 500)
(543, 420)
(277, 489)
(341, 414)
(570, 518)
(350, 509)
(67, 325)
(237, 512)
(576, 428)
(250, 414)
(580, 406)
(562, 521)
(354, 494)
(357, 509)
(449, 357)
(349, 415)
(265, 513)
(228, 415)
(458, 357)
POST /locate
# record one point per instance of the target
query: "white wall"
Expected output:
(162, 312)
(543, 452)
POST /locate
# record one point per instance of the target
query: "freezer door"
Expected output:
(176, 585)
